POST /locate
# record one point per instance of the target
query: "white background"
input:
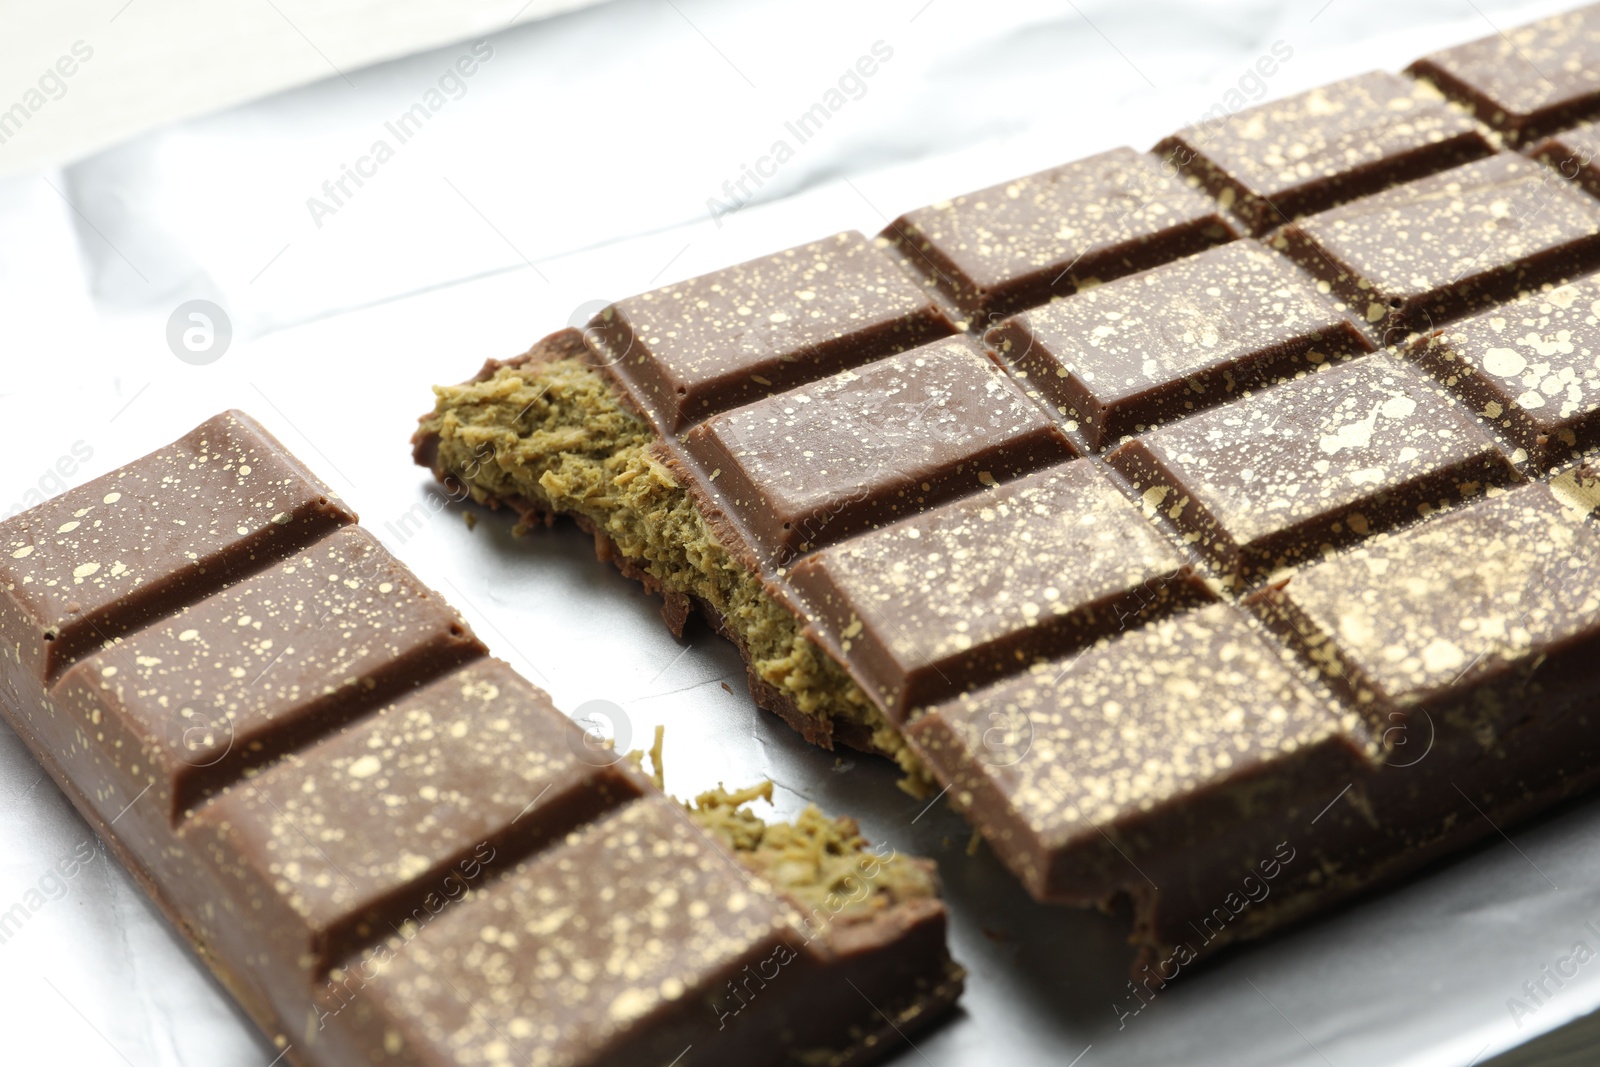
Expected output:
(575, 168)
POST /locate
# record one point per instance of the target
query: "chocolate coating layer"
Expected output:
(1463, 616)
(1531, 368)
(263, 666)
(1068, 763)
(1576, 154)
(980, 587)
(104, 557)
(868, 446)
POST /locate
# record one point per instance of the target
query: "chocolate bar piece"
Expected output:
(1531, 368)
(1001, 249)
(1186, 623)
(923, 608)
(1282, 476)
(807, 467)
(1128, 355)
(1414, 257)
(385, 843)
(722, 340)
(1528, 81)
(1575, 153)
(1274, 162)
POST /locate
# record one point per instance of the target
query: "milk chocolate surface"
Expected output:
(1575, 153)
(1012, 245)
(1419, 255)
(1276, 161)
(1275, 478)
(1531, 368)
(1528, 80)
(725, 339)
(868, 446)
(925, 607)
(1175, 339)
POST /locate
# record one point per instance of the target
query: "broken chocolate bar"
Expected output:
(384, 842)
(1235, 590)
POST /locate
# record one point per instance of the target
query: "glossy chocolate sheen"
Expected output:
(309, 762)
(1274, 162)
(1280, 476)
(634, 941)
(1531, 368)
(1416, 256)
(865, 447)
(1126, 356)
(727, 338)
(1525, 81)
(1001, 249)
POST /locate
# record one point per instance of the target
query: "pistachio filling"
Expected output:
(823, 863)
(553, 433)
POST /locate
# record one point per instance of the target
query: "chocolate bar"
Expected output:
(1197, 559)
(385, 843)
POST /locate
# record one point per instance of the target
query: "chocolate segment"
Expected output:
(723, 339)
(1527, 81)
(1322, 461)
(264, 666)
(104, 557)
(865, 447)
(1000, 249)
(1417, 256)
(1576, 154)
(337, 845)
(1274, 162)
(310, 766)
(1478, 618)
(1173, 735)
(981, 587)
(1130, 354)
(1531, 368)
